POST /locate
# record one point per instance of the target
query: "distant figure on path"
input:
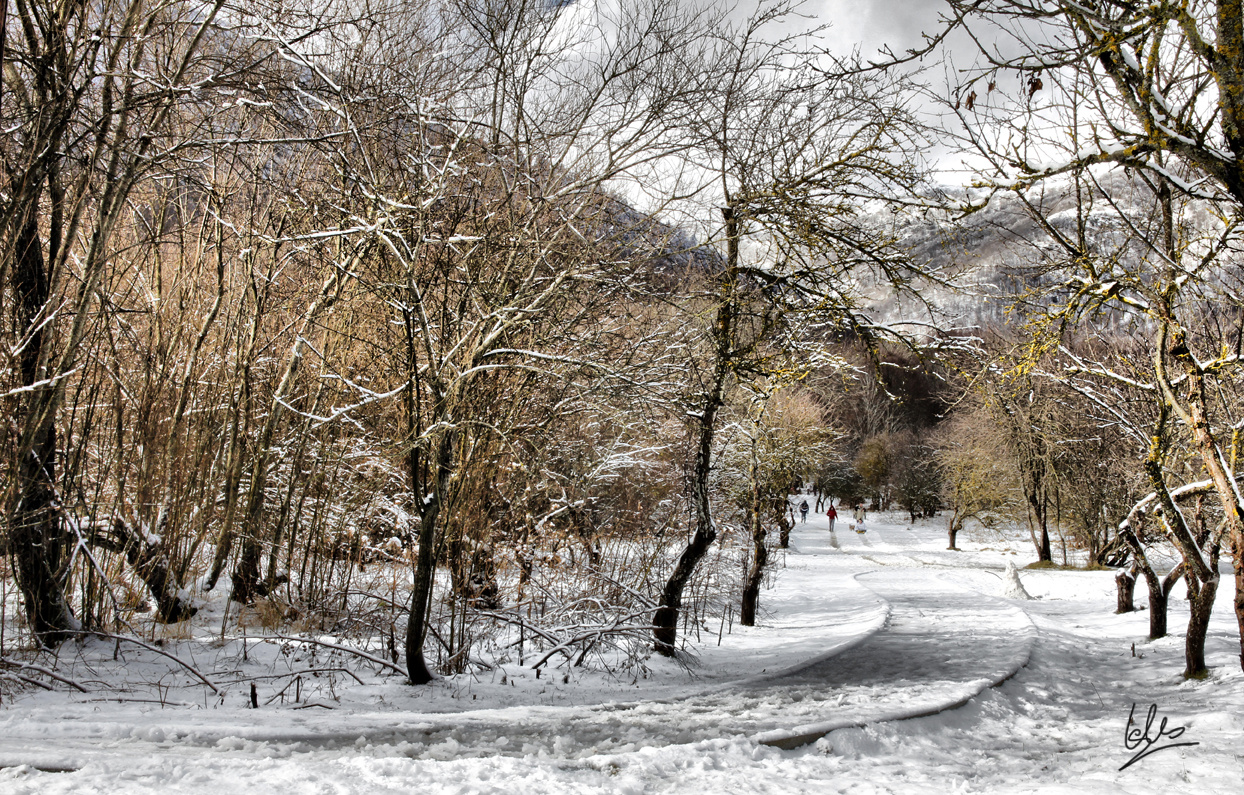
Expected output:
(833, 517)
(803, 512)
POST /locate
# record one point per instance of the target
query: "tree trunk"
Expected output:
(1201, 601)
(1038, 521)
(245, 577)
(665, 619)
(1239, 595)
(956, 524)
(784, 527)
(420, 598)
(760, 554)
(1196, 417)
(1160, 597)
(751, 586)
(36, 536)
(1159, 589)
(1125, 582)
(1157, 605)
(425, 564)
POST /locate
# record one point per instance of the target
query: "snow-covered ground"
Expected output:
(857, 633)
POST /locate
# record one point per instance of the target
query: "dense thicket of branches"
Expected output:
(509, 326)
(294, 291)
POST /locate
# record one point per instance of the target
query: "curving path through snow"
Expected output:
(921, 639)
(942, 643)
(887, 626)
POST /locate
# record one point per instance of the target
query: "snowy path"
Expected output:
(889, 672)
(944, 645)
(910, 628)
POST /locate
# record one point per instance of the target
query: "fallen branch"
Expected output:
(615, 629)
(378, 598)
(565, 647)
(45, 672)
(162, 702)
(26, 679)
(641, 597)
(517, 621)
(162, 653)
(356, 652)
(345, 671)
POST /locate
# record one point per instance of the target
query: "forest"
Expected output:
(439, 335)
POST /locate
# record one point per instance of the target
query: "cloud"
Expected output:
(872, 24)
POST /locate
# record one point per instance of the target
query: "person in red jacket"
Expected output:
(833, 516)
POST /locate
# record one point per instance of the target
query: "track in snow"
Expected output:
(943, 643)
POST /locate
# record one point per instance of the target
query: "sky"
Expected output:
(869, 24)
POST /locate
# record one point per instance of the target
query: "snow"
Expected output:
(1012, 586)
(858, 632)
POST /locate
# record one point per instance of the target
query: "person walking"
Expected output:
(803, 512)
(860, 516)
(833, 517)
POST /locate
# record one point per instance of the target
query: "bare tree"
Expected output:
(499, 238)
(788, 156)
(90, 91)
(1152, 90)
(767, 452)
(979, 482)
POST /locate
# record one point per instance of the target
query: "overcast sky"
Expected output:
(871, 23)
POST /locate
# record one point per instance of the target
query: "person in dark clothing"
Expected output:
(803, 511)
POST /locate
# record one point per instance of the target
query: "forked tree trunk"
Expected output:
(956, 524)
(1160, 597)
(1159, 588)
